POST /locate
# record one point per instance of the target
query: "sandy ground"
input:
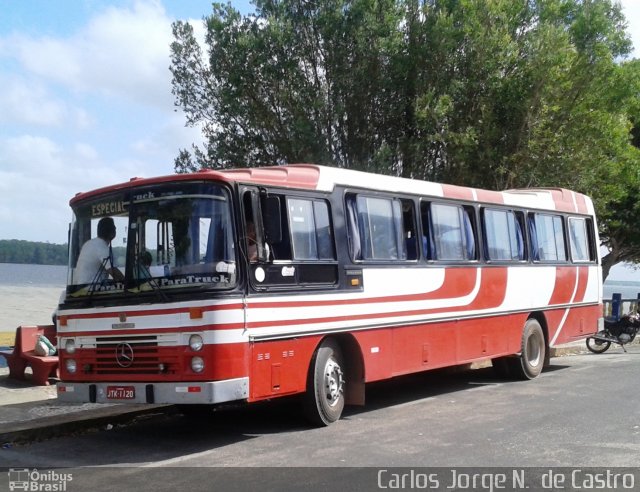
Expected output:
(25, 306)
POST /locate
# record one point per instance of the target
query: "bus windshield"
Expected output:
(157, 238)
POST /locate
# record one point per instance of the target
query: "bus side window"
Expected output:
(353, 228)
(451, 232)
(409, 236)
(428, 248)
(311, 234)
(547, 237)
(469, 235)
(381, 228)
(503, 235)
(377, 219)
(281, 250)
(579, 233)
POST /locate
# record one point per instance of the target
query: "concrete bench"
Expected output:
(22, 355)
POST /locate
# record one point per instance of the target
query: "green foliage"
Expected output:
(486, 93)
(301, 81)
(617, 198)
(15, 251)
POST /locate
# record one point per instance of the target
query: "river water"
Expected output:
(33, 275)
(29, 294)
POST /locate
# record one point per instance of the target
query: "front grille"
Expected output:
(129, 355)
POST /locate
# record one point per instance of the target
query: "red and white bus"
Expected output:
(252, 284)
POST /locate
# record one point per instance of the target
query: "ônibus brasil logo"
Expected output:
(37, 481)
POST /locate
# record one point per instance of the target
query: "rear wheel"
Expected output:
(597, 346)
(533, 351)
(324, 400)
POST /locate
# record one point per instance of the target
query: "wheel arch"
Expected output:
(354, 366)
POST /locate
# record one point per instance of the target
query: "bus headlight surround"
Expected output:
(197, 364)
(70, 346)
(71, 366)
(195, 343)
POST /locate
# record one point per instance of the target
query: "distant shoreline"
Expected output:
(21, 252)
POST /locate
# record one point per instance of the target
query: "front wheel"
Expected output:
(324, 400)
(533, 351)
(597, 346)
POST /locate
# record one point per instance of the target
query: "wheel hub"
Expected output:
(533, 351)
(333, 382)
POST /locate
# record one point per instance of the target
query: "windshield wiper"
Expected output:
(101, 278)
(141, 267)
(98, 276)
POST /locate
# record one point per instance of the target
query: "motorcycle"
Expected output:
(621, 332)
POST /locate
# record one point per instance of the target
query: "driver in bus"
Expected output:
(95, 253)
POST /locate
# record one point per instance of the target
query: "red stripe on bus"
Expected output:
(459, 192)
(580, 203)
(491, 294)
(566, 278)
(490, 196)
(583, 279)
(458, 282)
(292, 176)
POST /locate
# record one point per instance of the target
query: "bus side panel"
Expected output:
(434, 345)
(426, 346)
(489, 337)
(377, 353)
(573, 324)
(280, 367)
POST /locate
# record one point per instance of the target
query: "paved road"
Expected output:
(584, 411)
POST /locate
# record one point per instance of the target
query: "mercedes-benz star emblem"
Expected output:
(124, 355)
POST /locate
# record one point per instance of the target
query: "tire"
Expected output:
(533, 350)
(324, 399)
(597, 346)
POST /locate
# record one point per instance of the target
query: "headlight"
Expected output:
(70, 345)
(195, 342)
(197, 364)
(71, 366)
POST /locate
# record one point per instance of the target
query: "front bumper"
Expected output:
(165, 393)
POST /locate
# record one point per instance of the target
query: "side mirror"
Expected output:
(272, 219)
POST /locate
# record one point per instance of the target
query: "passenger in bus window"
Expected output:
(95, 253)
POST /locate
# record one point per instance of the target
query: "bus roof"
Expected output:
(324, 178)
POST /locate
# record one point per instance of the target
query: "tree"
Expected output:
(618, 201)
(299, 81)
(487, 93)
(17, 251)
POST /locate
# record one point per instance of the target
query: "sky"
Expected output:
(85, 101)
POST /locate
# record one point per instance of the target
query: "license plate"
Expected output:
(121, 392)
